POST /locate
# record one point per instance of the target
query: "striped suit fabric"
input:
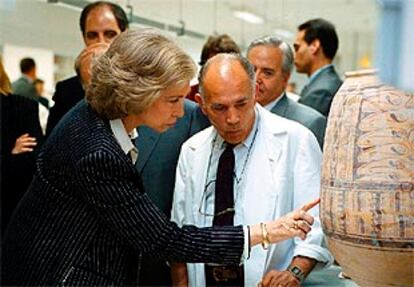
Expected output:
(86, 218)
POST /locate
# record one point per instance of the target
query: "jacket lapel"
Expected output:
(146, 142)
(281, 106)
(262, 193)
(202, 151)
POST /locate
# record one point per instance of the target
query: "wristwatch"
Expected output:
(297, 272)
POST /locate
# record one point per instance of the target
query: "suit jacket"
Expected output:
(23, 87)
(157, 159)
(308, 117)
(158, 154)
(86, 218)
(19, 115)
(289, 176)
(319, 93)
(67, 94)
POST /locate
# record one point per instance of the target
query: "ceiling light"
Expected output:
(248, 17)
(284, 33)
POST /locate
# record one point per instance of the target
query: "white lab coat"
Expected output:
(283, 173)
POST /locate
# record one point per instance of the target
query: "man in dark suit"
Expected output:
(23, 86)
(315, 48)
(86, 219)
(100, 22)
(158, 157)
(273, 62)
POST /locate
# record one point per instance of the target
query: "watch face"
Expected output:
(295, 270)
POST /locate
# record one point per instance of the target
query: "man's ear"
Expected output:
(286, 78)
(200, 101)
(256, 91)
(315, 46)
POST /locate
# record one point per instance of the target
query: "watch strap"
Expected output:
(297, 272)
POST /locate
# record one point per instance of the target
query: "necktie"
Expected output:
(229, 275)
(224, 196)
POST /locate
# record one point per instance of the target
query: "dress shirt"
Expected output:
(241, 155)
(124, 139)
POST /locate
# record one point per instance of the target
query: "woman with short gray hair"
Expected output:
(86, 218)
(137, 75)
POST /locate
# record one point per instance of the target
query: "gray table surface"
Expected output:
(328, 278)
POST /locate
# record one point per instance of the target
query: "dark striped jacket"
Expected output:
(86, 219)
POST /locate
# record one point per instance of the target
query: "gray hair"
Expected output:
(137, 67)
(287, 51)
(246, 65)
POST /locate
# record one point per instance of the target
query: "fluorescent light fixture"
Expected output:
(248, 17)
(284, 33)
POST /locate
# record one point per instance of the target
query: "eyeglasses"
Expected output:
(206, 207)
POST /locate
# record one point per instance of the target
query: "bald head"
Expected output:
(84, 61)
(228, 69)
(227, 85)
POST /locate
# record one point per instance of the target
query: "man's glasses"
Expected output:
(206, 207)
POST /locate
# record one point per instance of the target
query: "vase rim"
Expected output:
(361, 73)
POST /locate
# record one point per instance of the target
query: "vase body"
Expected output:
(367, 191)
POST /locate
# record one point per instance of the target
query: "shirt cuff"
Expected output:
(246, 246)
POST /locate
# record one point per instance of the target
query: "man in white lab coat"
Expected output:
(276, 170)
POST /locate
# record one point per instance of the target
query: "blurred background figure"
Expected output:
(395, 42)
(291, 87)
(44, 105)
(291, 91)
(21, 137)
(23, 86)
(214, 45)
(39, 86)
(315, 46)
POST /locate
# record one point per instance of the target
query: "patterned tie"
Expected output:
(224, 197)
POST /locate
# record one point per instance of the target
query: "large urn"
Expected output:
(367, 193)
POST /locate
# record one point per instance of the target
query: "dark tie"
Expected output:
(230, 275)
(224, 196)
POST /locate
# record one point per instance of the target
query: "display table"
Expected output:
(328, 278)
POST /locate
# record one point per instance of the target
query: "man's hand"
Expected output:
(286, 278)
(277, 278)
